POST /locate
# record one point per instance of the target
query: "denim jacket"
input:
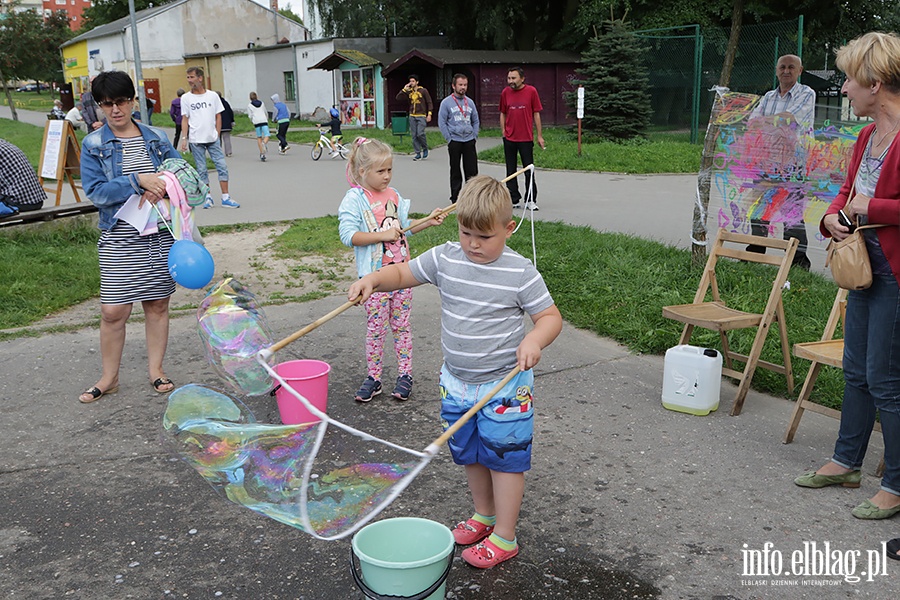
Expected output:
(101, 168)
(352, 219)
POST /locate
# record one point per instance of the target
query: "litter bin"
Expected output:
(400, 124)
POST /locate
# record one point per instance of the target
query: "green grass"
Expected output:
(310, 236)
(42, 102)
(659, 153)
(28, 138)
(46, 269)
(434, 137)
(242, 124)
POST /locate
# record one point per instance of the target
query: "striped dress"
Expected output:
(134, 268)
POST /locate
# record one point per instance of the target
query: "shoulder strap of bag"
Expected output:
(856, 217)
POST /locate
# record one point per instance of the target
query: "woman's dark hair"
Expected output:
(111, 85)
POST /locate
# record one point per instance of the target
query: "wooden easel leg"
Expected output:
(74, 188)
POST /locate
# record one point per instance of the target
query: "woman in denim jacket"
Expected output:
(119, 160)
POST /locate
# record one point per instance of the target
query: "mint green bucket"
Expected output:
(404, 557)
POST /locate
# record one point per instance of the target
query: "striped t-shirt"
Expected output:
(482, 308)
(135, 158)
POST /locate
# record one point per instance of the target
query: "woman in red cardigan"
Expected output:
(872, 325)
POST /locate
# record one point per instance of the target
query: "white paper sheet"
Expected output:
(134, 216)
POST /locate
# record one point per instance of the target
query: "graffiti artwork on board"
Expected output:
(770, 169)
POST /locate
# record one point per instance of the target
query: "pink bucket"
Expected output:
(310, 379)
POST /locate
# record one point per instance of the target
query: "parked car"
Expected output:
(32, 87)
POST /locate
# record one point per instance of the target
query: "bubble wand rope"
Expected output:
(163, 219)
(425, 457)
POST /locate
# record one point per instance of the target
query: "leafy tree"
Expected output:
(31, 48)
(45, 63)
(616, 87)
(20, 33)
(102, 12)
(290, 14)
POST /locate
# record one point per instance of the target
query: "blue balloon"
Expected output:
(190, 264)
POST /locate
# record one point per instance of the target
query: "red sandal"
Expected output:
(470, 532)
(487, 554)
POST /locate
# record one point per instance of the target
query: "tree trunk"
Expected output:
(9, 100)
(737, 18)
(704, 177)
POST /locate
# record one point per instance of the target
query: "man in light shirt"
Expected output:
(201, 124)
(796, 104)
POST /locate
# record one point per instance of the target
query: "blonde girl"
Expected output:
(372, 215)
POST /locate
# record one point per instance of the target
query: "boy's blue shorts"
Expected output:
(262, 131)
(499, 436)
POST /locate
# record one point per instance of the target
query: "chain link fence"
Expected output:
(685, 62)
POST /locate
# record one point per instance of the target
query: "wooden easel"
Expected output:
(60, 157)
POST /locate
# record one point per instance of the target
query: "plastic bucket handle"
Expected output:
(373, 595)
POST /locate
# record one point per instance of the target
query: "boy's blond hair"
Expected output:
(366, 154)
(483, 204)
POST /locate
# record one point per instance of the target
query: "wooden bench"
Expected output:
(48, 214)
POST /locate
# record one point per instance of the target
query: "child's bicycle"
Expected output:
(324, 143)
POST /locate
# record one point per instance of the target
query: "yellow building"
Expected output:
(75, 67)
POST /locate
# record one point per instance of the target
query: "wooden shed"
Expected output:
(550, 72)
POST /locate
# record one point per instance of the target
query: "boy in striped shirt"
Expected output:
(486, 289)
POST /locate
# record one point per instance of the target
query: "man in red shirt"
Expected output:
(520, 113)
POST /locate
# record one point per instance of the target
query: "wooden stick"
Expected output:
(452, 207)
(315, 324)
(517, 173)
(444, 211)
(471, 412)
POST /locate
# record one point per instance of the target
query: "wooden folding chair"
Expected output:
(827, 351)
(717, 316)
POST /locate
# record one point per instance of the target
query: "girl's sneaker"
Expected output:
(403, 388)
(486, 554)
(471, 532)
(370, 387)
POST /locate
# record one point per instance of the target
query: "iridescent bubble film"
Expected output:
(233, 328)
(260, 466)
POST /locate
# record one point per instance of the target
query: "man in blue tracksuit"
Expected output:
(459, 124)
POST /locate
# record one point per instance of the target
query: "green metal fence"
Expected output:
(685, 62)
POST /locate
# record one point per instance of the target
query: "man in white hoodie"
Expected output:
(256, 110)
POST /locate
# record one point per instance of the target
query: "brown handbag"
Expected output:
(849, 258)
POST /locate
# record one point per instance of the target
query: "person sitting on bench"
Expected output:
(19, 185)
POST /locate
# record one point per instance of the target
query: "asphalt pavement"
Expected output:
(625, 499)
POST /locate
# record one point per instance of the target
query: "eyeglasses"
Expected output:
(120, 102)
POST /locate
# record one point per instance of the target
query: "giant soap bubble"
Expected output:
(233, 329)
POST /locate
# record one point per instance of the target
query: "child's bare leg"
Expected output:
(482, 487)
(508, 489)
